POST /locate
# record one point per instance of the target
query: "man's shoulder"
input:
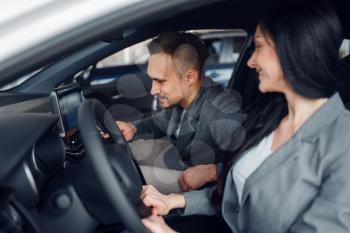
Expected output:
(220, 100)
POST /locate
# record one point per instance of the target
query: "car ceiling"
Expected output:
(220, 14)
(243, 14)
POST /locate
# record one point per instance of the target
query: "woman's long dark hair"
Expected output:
(307, 37)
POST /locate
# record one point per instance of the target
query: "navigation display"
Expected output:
(66, 101)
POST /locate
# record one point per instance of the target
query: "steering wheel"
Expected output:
(118, 174)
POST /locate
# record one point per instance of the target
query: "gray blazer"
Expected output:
(304, 186)
(208, 129)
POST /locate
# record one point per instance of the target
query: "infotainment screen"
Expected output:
(66, 101)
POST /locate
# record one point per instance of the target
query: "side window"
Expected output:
(134, 55)
(129, 61)
(344, 49)
(224, 47)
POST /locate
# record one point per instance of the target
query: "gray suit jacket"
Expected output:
(208, 128)
(304, 186)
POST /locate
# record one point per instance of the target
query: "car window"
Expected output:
(344, 49)
(133, 55)
(224, 47)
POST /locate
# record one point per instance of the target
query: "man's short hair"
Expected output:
(186, 49)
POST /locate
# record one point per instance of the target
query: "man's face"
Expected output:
(166, 83)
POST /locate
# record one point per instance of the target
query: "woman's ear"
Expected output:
(192, 76)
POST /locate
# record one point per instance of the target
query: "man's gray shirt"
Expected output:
(210, 127)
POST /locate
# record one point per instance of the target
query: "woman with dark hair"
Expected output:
(291, 172)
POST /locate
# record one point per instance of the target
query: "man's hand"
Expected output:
(197, 176)
(161, 204)
(128, 130)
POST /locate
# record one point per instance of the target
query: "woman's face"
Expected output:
(266, 63)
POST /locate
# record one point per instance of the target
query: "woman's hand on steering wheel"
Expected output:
(156, 224)
(161, 204)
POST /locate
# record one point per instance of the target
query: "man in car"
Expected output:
(199, 123)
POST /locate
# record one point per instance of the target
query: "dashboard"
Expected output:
(40, 152)
(43, 166)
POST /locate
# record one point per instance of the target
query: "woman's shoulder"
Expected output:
(336, 137)
(343, 121)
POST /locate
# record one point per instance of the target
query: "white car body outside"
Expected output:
(27, 24)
